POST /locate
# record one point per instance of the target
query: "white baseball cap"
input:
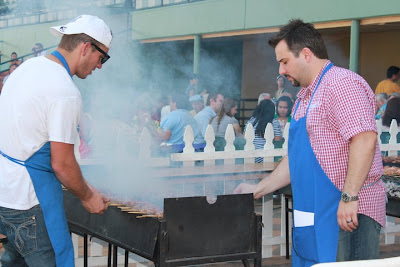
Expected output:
(87, 24)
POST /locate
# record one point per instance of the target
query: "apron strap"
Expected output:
(24, 163)
(63, 61)
(316, 87)
(20, 162)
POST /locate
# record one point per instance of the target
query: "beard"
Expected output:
(294, 82)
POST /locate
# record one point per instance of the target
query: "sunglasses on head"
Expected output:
(106, 56)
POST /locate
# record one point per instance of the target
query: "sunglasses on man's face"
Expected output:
(106, 56)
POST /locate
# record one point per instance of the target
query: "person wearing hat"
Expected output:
(197, 102)
(41, 107)
(191, 89)
(280, 80)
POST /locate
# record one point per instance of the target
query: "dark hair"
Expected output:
(286, 99)
(14, 64)
(181, 101)
(40, 45)
(392, 70)
(392, 112)
(193, 76)
(263, 114)
(226, 110)
(14, 53)
(212, 95)
(70, 41)
(299, 35)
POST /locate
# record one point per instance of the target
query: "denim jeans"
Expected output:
(28, 243)
(362, 243)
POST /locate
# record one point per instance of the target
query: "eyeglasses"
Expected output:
(106, 56)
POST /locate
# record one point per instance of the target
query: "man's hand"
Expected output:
(361, 155)
(245, 188)
(347, 215)
(96, 203)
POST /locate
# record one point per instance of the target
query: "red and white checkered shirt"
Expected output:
(342, 107)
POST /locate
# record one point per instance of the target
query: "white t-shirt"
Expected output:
(39, 103)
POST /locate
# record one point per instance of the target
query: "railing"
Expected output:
(144, 4)
(4, 66)
(392, 147)
(69, 9)
(246, 108)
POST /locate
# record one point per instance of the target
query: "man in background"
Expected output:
(197, 102)
(38, 50)
(191, 89)
(390, 84)
(381, 102)
(214, 106)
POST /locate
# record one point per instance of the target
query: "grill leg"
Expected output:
(109, 255)
(85, 250)
(287, 210)
(115, 259)
(246, 263)
(257, 262)
(126, 258)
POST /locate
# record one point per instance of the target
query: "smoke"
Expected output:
(135, 82)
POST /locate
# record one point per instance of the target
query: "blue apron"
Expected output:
(49, 193)
(315, 198)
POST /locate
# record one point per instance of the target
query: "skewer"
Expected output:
(125, 208)
(147, 216)
(130, 211)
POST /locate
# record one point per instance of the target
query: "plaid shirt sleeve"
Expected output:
(353, 107)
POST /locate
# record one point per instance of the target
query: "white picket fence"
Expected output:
(189, 158)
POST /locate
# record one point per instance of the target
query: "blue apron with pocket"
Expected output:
(315, 198)
(49, 193)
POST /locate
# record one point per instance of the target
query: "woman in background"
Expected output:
(220, 123)
(284, 107)
(226, 116)
(262, 115)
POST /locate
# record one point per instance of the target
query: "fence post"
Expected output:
(188, 138)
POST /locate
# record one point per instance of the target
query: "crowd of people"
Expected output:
(166, 118)
(16, 61)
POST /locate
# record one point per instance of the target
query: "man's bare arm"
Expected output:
(165, 135)
(279, 178)
(68, 172)
(361, 155)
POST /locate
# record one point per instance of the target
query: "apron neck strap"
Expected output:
(315, 90)
(63, 61)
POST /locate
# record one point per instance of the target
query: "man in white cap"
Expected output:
(197, 102)
(41, 107)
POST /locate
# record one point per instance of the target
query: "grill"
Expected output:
(191, 231)
(392, 184)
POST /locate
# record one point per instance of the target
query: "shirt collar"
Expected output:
(310, 89)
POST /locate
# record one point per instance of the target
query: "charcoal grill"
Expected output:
(191, 231)
(393, 204)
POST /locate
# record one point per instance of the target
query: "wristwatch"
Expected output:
(346, 197)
